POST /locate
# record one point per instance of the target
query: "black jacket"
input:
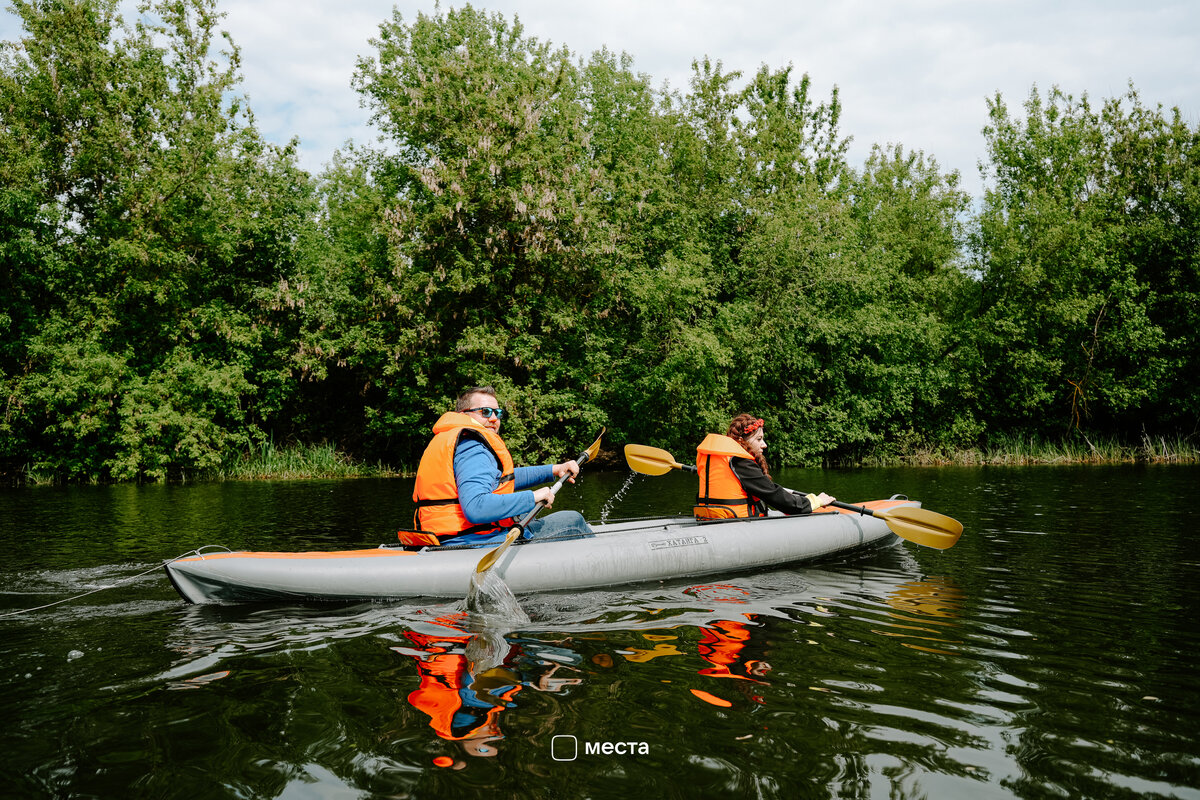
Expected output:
(761, 488)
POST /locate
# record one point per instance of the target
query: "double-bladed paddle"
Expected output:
(492, 556)
(917, 525)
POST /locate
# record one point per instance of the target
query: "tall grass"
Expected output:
(1019, 450)
(298, 462)
(319, 461)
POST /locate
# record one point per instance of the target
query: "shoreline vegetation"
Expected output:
(324, 461)
(1036, 451)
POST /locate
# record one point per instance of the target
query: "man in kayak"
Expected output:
(467, 490)
(735, 480)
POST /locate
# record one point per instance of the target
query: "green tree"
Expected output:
(609, 255)
(141, 211)
(908, 235)
(509, 198)
(1086, 247)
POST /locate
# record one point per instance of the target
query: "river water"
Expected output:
(1051, 653)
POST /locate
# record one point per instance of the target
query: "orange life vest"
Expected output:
(439, 514)
(721, 494)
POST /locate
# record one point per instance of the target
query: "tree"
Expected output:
(1084, 254)
(141, 211)
(511, 195)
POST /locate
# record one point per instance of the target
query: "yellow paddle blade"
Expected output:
(493, 555)
(595, 448)
(650, 460)
(922, 526)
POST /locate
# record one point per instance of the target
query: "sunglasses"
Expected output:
(488, 413)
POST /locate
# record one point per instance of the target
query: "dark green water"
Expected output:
(1051, 653)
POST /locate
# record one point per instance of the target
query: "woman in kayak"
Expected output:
(735, 480)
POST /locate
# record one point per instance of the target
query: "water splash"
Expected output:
(491, 603)
(617, 497)
(492, 611)
(487, 649)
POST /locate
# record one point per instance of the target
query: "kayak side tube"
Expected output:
(620, 553)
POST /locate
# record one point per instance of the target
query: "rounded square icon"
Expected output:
(564, 747)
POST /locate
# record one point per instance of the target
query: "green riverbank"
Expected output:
(325, 461)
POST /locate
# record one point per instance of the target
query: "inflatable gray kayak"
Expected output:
(621, 552)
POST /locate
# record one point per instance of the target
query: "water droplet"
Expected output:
(616, 498)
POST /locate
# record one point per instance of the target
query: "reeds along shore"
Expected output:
(1032, 450)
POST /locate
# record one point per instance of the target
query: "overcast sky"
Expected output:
(913, 72)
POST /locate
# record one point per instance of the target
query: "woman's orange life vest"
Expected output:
(721, 494)
(439, 514)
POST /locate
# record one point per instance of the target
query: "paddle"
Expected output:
(652, 461)
(514, 533)
(917, 525)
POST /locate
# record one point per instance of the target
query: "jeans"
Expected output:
(559, 523)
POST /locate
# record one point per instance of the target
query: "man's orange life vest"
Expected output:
(721, 494)
(439, 514)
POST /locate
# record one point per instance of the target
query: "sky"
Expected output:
(917, 73)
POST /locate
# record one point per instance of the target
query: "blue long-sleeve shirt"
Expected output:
(478, 474)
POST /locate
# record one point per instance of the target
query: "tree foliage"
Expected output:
(173, 289)
(139, 213)
(1089, 264)
(606, 253)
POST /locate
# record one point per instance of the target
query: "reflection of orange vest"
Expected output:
(439, 514)
(445, 676)
(721, 645)
(721, 494)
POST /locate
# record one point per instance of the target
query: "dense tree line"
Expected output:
(174, 290)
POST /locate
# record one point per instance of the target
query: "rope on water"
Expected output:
(197, 552)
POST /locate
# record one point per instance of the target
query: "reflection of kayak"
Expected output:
(620, 552)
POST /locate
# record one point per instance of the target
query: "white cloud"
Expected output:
(914, 72)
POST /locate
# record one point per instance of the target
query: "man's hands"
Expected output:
(568, 468)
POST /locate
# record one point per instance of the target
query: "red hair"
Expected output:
(741, 428)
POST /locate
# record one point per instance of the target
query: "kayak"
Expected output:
(621, 552)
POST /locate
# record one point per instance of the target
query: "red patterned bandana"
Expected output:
(751, 427)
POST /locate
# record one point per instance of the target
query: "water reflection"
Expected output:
(713, 644)
(724, 644)
(1050, 652)
(928, 607)
(464, 696)
(462, 706)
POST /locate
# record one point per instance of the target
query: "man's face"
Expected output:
(488, 401)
